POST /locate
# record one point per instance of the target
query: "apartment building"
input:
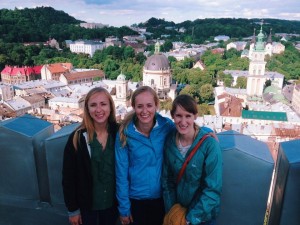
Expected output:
(86, 47)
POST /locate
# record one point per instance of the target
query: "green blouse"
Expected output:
(103, 172)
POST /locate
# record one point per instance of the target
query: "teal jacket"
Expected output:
(200, 187)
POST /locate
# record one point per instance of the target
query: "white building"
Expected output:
(238, 45)
(86, 47)
(221, 38)
(19, 105)
(6, 92)
(93, 25)
(122, 97)
(157, 73)
(256, 79)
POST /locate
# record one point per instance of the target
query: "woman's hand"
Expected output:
(126, 220)
(75, 220)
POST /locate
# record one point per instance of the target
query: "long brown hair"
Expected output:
(187, 102)
(88, 122)
(131, 114)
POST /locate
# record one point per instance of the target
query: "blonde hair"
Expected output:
(130, 116)
(88, 122)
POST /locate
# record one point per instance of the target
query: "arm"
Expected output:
(206, 204)
(122, 183)
(168, 181)
(69, 179)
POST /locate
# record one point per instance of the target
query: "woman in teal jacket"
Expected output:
(139, 157)
(200, 187)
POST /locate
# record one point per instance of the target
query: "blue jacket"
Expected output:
(200, 187)
(139, 163)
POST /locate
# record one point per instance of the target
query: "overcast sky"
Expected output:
(127, 12)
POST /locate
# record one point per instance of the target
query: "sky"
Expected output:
(119, 13)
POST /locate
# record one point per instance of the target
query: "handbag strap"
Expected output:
(190, 156)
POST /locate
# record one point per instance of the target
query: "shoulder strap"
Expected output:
(190, 156)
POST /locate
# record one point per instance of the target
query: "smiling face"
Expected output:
(145, 108)
(99, 107)
(184, 121)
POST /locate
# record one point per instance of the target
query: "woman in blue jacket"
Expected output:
(139, 156)
(200, 186)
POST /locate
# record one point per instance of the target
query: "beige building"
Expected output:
(296, 98)
(53, 71)
(157, 73)
(36, 101)
(80, 77)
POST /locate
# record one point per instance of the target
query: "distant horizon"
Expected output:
(119, 13)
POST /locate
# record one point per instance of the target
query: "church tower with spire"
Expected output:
(269, 45)
(256, 79)
(252, 44)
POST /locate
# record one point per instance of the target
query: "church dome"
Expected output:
(121, 77)
(157, 62)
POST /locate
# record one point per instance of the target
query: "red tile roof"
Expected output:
(59, 67)
(232, 106)
(84, 74)
(25, 71)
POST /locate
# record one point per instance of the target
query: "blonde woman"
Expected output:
(89, 163)
(139, 156)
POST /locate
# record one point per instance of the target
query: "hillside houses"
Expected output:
(238, 45)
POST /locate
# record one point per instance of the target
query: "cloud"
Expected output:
(127, 12)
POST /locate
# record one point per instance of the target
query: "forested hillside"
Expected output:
(38, 24)
(200, 30)
(41, 23)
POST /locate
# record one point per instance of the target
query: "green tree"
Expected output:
(241, 82)
(140, 58)
(203, 109)
(206, 92)
(166, 105)
(228, 79)
(129, 52)
(109, 67)
(268, 83)
(167, 46)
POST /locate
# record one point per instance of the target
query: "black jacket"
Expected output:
(76, 173)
